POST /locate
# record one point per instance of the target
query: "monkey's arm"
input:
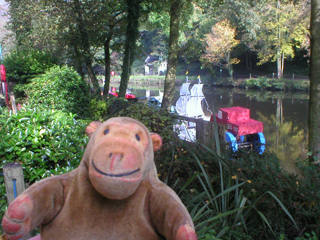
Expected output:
(37, 205)
(169, 215)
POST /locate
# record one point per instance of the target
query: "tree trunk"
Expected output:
(86, 46)
(314, 100)
(78, 61)
(248, 61)
(229, 66)
(173, 55)
(280, 62)
(107, 65)
(130, 44)
(230, 71)
(279, 54)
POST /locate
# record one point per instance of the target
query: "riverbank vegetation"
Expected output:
(260, 83)
(233, 196)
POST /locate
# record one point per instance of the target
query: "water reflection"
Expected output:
(285, 117)
(285, 139)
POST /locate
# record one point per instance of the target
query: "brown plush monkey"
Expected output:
(113, 194)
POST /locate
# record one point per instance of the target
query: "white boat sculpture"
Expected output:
(189, 104)
(181, 104)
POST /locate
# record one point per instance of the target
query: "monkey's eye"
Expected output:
(106, 131)
(137, 137)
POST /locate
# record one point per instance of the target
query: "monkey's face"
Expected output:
(120, 157)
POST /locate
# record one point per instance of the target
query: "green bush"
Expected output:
(98, 108)
(276, 85)
(258, 83)
(45, 142)
(59, 88)
(23, 65)
(297, 85)
(102, 108)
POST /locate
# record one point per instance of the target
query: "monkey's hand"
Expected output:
(185, 232)
(17, 219)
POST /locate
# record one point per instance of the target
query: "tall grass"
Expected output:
(220, 208)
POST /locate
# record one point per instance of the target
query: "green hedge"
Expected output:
(45, 142)
(59, 88)
(23, 65)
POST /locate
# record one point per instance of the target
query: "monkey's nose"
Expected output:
(116, 156)
(115, 160)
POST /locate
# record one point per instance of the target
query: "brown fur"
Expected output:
(113, 194)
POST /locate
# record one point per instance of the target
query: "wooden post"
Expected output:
(205, 133)
(13, 104)
(13, 179)
(222, 132)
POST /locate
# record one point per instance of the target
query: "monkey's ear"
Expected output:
(92, 127)
(156, 141)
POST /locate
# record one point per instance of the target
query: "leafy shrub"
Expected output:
(297, 85)
(258, 83)
(23, 65)
(45, 142)
(98, 108)
(102, 108)
(277, 85)
(60, 88)
(252, 83)
(115, 105)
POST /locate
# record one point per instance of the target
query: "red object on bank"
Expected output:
(4, 81)
(3, 73)
(127, 96)
(238, 121)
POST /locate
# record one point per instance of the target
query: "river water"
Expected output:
(284, 115)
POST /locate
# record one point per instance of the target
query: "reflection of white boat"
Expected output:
(189, 104)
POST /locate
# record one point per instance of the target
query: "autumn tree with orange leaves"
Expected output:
(219, 44)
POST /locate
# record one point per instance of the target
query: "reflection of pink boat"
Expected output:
(115, 93)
